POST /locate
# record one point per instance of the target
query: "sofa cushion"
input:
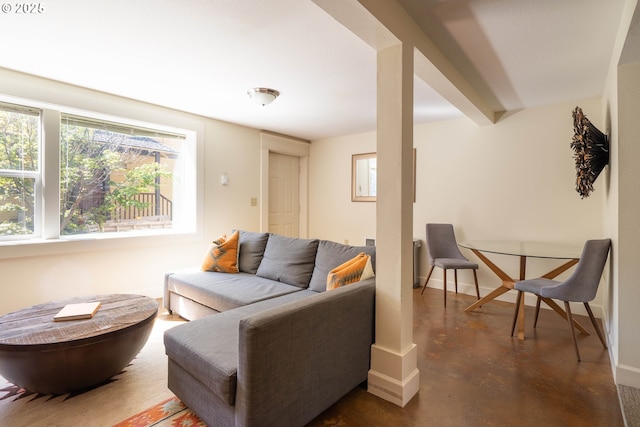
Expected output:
(288, 260)
(222, 254)
(222, 292)
(207, 348)
(329, 256)
(252, 246)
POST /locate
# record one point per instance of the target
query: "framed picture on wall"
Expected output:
(364, 175)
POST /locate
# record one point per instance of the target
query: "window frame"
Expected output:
(47, 231)
(36, 174)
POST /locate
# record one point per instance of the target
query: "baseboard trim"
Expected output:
(394, 377)
(627, 375)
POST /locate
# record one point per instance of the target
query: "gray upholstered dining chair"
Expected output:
(581, 286)
(443, 252)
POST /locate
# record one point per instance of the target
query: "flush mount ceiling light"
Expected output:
(263, 95)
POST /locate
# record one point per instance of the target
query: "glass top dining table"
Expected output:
(525, 248)
(522, 249)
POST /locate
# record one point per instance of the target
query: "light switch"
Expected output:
(224, 179)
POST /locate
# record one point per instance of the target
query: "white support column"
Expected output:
(394, 375)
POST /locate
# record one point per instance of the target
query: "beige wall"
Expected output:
(511, 180)
(332, 214)
(621, 205)
(610, 294)
(37, 273)
(628, 247)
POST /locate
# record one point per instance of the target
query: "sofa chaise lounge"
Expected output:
(269, 346)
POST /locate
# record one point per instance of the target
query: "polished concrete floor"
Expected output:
(472, 373)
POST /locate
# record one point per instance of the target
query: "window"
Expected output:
(19, 169)
(115, 176)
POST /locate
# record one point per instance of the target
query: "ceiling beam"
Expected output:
(385, 23)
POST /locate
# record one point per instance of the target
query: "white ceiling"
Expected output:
(201, 56)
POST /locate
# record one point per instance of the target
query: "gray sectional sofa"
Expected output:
(268, 346)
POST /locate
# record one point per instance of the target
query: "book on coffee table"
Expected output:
(83, 310)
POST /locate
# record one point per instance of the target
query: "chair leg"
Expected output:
(455, 279)
(595, 325)
(535, 320)
(475, 280)
(444, 287)
(516, 311)
(427, 281)
(573, 332)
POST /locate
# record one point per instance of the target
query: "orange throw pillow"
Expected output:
(222, 255)
(354, 270)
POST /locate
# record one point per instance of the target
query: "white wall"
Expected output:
(511, 180)
(38, 273)
(332, 214)
(628, 248)
(622, 202)
(234, 150)
(610, 294)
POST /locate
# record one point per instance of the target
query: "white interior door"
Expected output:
(284, 194)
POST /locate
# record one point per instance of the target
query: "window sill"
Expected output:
(92, 242)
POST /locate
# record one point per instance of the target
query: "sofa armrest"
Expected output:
(298, 359)
(166, 299)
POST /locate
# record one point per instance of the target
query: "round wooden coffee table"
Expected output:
(49, 357)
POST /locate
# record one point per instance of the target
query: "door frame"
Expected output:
(291, 147)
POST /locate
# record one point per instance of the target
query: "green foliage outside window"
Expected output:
(19, 164)
(105, 175)
(89, 196)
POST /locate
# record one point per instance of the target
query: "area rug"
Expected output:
(630, 401)
(171, 412)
